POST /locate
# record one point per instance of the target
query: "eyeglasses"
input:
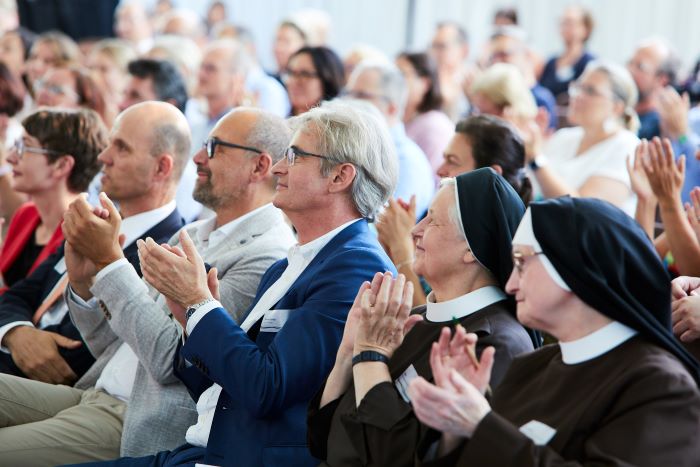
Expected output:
(644, 67)
(20, 148)
(578, 89)
(293, 152)
(519, 258)
(301, 75)
(211, 144)
(55, 89)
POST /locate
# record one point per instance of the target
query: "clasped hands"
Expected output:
(685, 307)
(93, 240)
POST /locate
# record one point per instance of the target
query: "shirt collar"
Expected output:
(463, 305)
(207, 235)
(135, 226)
(596, 343)
(309, 250)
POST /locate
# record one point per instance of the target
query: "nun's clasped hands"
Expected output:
(384, 317)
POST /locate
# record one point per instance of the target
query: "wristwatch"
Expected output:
(537, 163)
(192, 308)
(369, 356)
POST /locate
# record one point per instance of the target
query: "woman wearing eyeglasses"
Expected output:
(52, 163)
(312, 75)
(72, 88)
(617, 390)
(589, 160)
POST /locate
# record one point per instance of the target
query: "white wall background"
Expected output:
(620, 24)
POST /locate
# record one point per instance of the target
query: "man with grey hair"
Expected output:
(662, 111)
(383, 85)
(254, 380)
(244, 238)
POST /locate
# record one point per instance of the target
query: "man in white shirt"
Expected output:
(253, 381)
(45, 424)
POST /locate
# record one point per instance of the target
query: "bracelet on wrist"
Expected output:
(192, 308)
(370, 356)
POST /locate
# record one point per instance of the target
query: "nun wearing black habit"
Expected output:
(362, 415)
(617, 390)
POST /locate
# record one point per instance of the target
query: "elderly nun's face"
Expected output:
(440, 246)
(540, 300)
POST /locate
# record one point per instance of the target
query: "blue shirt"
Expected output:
(415, 173)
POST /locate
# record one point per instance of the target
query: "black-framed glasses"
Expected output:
(301, 75)
(20, 148)
(211, 143)
(293, 152)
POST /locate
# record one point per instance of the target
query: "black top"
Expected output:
(21, 266)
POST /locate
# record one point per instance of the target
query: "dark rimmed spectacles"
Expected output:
(211, 144)
(20, 148)
(293, 152)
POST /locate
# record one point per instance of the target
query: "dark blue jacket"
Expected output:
(269, 377)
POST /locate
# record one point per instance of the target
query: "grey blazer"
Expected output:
(160, 409)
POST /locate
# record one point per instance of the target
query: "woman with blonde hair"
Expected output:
(589, 159)
(502, 91)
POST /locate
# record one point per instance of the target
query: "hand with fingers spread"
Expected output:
(638, 177)
(455, 409)
(347, 344)
(93, 232)
(36, 353)
(384, 316)
(692, 210)
(394, 228)
(459, 354)
(665, 175)
(179, 274)
(673, 111)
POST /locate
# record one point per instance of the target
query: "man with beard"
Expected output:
(134, 338)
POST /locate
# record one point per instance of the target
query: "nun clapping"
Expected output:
(618, 389)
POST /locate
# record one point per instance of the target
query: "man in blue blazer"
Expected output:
(253, 382)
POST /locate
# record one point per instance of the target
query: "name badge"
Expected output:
(274, 320)
(60, 266)
(404, 380)
(538, 432)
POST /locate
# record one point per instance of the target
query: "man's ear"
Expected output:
(263, 167)
(165, 167)
(341, 178)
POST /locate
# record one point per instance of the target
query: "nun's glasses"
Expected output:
(520, 256)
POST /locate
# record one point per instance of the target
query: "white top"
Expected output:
(596, 343)
(463, 305)
(605, 159)
(298, 258)
(132, 227)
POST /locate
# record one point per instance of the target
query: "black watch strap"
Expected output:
(369, 356)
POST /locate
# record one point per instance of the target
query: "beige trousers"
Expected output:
(45, 425)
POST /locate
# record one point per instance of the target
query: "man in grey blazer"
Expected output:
(115, 310)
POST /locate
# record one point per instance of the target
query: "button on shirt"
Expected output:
(298, 258)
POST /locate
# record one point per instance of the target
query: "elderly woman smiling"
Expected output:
(617, 390)
(363, 414)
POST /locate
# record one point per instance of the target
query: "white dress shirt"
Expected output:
(298, 258)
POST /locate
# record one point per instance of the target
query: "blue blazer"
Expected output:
(269, 375)
(22, 299)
